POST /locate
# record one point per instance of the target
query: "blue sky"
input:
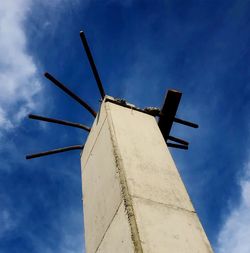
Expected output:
(141, 48)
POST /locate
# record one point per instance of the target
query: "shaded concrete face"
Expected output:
(134, 199)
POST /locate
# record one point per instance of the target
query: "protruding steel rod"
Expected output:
(70, 93)
(58, 121)
(173, 145)
(171, 138)
(92, 64)
(186, 123)
(54, 151)
(168, 112)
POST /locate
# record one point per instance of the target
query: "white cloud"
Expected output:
(235, 233)
(6, 222)
(4, 122)
(20, 91)
(9, 218)
(18, 72)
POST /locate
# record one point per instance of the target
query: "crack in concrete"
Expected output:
(109, 226)
(161, 203)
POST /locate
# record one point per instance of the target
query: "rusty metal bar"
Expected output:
(70, 93)
(58, 121)
(92, 64)
(173, 145)
(54, 151)
(168, 112)
(171, 138)
(186, 123)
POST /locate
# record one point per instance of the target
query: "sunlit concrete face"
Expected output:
(134, 199)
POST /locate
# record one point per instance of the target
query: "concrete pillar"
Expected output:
(134, 199)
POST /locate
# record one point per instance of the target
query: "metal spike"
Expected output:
(70, 93)
(92, 64)
(173, 145)
(171, 138)
(186, 123)
(58, 121)
(54, 151)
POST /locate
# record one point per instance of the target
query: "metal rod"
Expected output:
(186, 123)
(92, 64)
(54, 151)
(171, 138)
(168, 112)
(58, 121)
(173, 145)
(70, 93)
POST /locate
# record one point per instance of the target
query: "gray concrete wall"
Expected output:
(134, 199)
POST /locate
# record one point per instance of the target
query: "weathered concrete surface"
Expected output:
(167, 229)
(134, 199)
(101, 189)
(118, 238)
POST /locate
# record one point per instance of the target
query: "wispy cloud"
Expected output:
(7, 223)
(20, 93)
(234, 235)
(18, 76)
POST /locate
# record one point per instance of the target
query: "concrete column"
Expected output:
(134, 199)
